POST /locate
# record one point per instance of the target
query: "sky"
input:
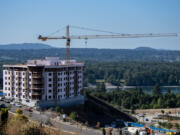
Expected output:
(21, 21)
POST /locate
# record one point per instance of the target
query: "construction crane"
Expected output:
(69, 37)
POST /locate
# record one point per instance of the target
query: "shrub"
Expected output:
(4, 115)
(73, 115)
(19, 111)
(58, 109)
(48, 121)
(20, 117)
(177, 125)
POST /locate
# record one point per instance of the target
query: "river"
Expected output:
(148, 89)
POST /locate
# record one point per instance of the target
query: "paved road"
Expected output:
(36, 116)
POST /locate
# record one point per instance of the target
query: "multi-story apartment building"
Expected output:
(43, 82)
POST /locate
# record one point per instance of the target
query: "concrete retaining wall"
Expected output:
(63, 103)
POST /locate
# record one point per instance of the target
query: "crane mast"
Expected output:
(68, 38)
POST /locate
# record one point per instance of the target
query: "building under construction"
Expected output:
(47, 82)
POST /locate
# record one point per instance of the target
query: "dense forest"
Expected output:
(137, 99)
(134, 73)
(137, 67)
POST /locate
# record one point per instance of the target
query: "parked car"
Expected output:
(29, 109)
(7, 100)
(18, 105)
(1, 98)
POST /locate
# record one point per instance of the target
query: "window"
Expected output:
(59, 79)
(50, 79)
(49, 91)
(49, 74)
(49, 97)
(50, 85)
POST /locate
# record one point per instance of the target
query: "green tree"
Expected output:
(169, 125)
(102, 87)
(156, 90)
(62, 111)
(177, 126)
(19, 111)
(58, 109)
(120, 132)
(103, 131)
(132, 110)
(48, 121)
(4, 115)
(73, 115)
(137, 132)
(162, 111)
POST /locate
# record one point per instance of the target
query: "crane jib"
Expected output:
(68, 37)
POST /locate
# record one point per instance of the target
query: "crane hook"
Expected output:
(86, 42)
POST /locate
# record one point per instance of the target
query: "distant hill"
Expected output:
(144, 48)
(25, 46)
(26, 51)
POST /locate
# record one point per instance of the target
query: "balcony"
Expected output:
(36, 93)
(37, 82)
(37, 76)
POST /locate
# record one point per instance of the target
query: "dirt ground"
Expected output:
(153, 111)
